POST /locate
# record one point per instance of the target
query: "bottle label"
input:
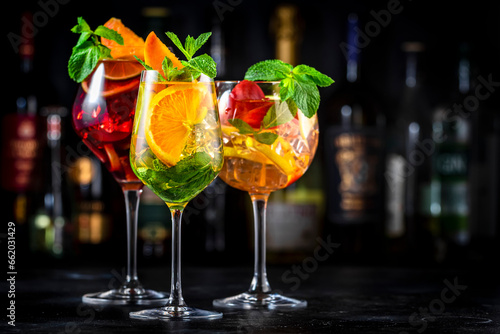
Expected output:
(452, 164)
(21, 151)
(354, 164)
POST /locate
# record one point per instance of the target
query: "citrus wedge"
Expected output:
(254, 156)
(122, 70)
(133, 45)
(155, 51)
(171, 117)
(112, 87)
(285, 164)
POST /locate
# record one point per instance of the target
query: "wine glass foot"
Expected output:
(175, 313)
(252, 301)
(115, 297)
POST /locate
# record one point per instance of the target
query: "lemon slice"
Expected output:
(287, 166)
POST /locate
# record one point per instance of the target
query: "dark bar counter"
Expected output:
(341, 299)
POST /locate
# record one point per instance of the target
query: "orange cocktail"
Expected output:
(263, 166)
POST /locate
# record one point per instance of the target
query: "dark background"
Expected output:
(442, 26)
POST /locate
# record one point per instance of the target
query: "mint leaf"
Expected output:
(202, 158)
(146, 66)
(83, 60)
(292, 106)
(173, 37)
(243, 127)
(268, 70)
(278, 114)
(204, 64)
(287, 88)
(189, 169)
(191, 45)
(110, 34)
(297, 84)
(306, 96)
(193, 66)
(89, 50)
(314, 75)
(202, 39)
(169, 70)
(267, 138)
(81, 27)
(83, 38)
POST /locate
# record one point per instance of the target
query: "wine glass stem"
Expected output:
(131, 206)
(176, 298)
(259, 282)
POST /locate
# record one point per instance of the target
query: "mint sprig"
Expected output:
(193, 66)
(299, 83)
(89, 50)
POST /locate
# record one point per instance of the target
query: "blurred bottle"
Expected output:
(354, 152)
(92, 206)
(50, 227)
(294, 214)
(410, 191)
(22, 141)
(452, 133)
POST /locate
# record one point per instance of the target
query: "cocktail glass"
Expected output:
(103, 114)
(256, 163)
(176, 151)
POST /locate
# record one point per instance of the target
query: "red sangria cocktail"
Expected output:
(103, 62)
(103, 114)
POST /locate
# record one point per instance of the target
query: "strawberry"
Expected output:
(248, 103)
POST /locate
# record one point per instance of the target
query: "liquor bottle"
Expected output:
(91, 207)
(50, 229)
(354, 152)
(294, 214)
(22, 143)
(452, 134)
(410, 192)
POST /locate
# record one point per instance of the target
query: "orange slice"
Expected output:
(112, 87)
(132, 44)
(155, 51)
(172, 115)
(122, 70)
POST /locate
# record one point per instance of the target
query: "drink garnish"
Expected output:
(299, 83)
(298, 90)
(89, 49)
(182, 107)
(191, 68)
